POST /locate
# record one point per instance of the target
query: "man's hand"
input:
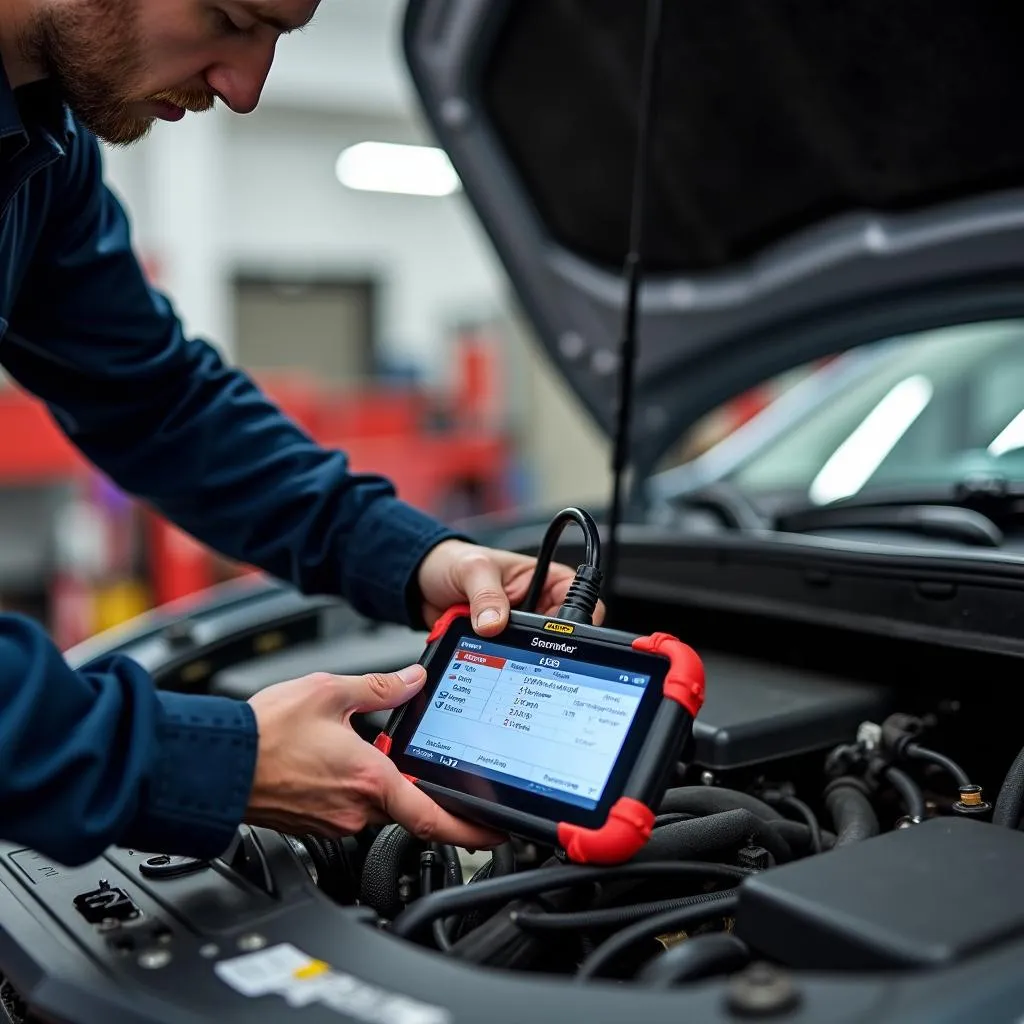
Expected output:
(491, 581)
(315, 774)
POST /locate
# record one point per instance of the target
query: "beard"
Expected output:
(91, 51)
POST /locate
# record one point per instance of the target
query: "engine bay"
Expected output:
(838, 843)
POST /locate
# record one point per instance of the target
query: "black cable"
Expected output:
(680, 919)
(606, 917)
(909, 791)
(585, 590)
(919, 753)
(798, 807)
(415, 918)
(633, 272)
(703, 956)
(1011, 795)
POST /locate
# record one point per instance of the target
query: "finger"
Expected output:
(480, 579)
(418, 814)
(379, 691)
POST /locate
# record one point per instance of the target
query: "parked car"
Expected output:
(825, 181)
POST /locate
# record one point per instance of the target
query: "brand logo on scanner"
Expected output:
(550, 645)
(559, 627)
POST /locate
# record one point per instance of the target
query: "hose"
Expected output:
(415, 918)
(713, 800)
(798, 807)
(701, 957)
(851, 811)
(919, 753)
(607, 917)
(503, 861)
(799, 837)
(672, 817)
(1011, 795)
(452, 865)
(393, 853)
(680, 919)
(909, 791)
(703, 837)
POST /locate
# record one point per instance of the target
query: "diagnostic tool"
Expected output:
(556, 729)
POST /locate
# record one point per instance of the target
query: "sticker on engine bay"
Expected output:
(302, 980)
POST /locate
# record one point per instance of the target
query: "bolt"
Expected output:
(251, 942)
(907, 821)
(707, 778)
(154, 959)
(209, 951)
(761, 990)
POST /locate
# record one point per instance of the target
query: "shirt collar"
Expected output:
(37, 107)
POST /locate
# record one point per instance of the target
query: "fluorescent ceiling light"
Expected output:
(389, 167)
(856, 459)
(1010, 438)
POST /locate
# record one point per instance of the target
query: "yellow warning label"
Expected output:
(311, 970)
(559, 627)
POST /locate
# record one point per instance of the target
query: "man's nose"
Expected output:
(240, 82)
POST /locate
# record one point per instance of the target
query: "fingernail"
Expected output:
(411, 676)
(488, 616)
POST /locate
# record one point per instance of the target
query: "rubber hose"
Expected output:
(452, 865)
(672, 817)
(500, 942)
(503, 861)
(682, 919)
(798, 835)
(606, 917)
(909, 791)
(418, 916)
(713, 800)
(393, 851)
(701, 957)
(919, 753)
(704, 837)
(1010, 801)
(851, 811)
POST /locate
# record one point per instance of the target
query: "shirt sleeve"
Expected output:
(172, 424)
(98, 757)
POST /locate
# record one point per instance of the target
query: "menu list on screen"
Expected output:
(535, 720)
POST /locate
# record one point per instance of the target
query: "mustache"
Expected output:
(194, 100)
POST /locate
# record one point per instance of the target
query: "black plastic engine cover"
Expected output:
(926, 896)
(756, 712)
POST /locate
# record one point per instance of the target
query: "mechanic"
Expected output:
(95, 758)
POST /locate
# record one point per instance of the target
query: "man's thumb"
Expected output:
(379, 691)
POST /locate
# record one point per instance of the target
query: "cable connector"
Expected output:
(585, 590)
(584, 593)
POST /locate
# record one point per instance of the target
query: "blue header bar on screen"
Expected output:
(556, 660)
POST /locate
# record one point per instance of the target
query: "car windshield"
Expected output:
(919, 410)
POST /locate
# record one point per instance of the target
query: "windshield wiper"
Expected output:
(950, 522)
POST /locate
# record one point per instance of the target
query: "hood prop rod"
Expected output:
(633, 273)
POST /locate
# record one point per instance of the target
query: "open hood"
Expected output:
(822, 175)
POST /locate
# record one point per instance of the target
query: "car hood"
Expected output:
(821, 175)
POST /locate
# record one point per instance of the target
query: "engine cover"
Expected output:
(931, 895)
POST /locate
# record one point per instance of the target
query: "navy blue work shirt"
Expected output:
(100, 757)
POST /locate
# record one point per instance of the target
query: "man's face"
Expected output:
(124, 63)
